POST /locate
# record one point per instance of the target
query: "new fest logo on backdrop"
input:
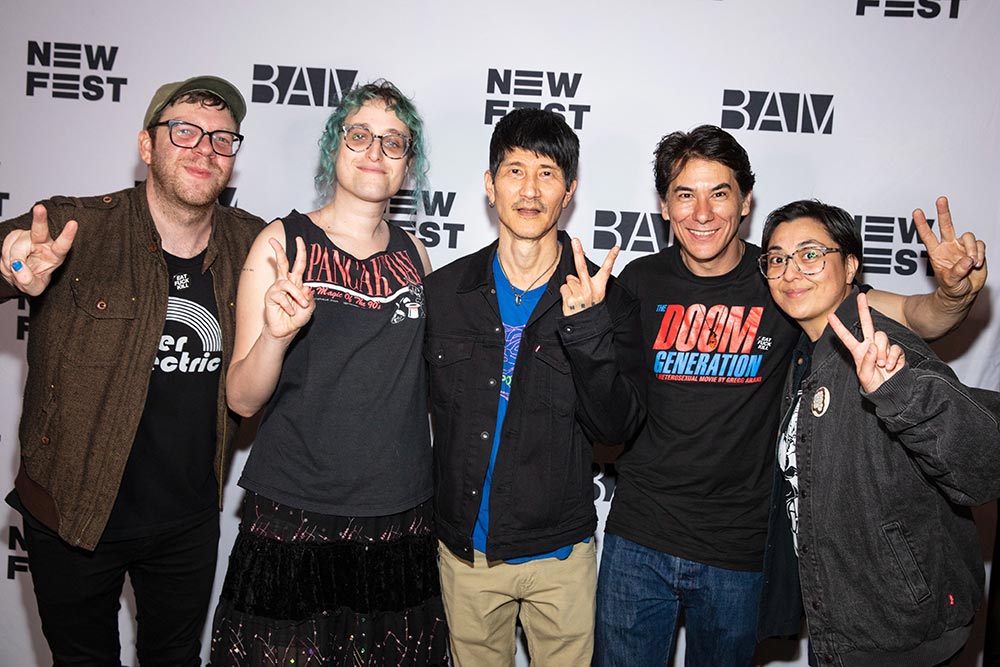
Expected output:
(924, 9)
(70, 70)
(22, 301)
(434, 228)
(509, 89)
(892, 246)
(17, 560)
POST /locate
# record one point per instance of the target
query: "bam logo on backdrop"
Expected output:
(65, 64)
(522, 87)
(892, 245)
(927, 9)
(436, 206)
(631, 230)
(4, 196)
(604, 481)
(766, 111)
(301, 86)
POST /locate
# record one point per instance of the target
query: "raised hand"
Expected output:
(288, 304)
(875, 359)
(31, 255)
(959, 263)
(583, 290)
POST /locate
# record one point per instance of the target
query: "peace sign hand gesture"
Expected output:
(875, 360)
(583, 290)
(288, 304)
(959, 263)
(31, 255)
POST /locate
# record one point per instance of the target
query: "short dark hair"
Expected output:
(706, 142)
(838, 222)
(541, 132)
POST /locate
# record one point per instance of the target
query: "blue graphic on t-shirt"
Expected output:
(515, 316)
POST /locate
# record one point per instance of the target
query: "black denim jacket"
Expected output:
(889, 561)
(573, 385)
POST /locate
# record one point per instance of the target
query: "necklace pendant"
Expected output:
(517, 299)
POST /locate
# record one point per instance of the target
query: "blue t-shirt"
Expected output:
(515, 316)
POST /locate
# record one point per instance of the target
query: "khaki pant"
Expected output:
(553, 598)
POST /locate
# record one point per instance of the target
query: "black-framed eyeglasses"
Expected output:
(808, 261)
(359, 139)
(189, 135)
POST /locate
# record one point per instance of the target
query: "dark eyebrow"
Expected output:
(801, 245)
(720, 186)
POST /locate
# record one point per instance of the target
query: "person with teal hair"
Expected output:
(335, 560)
(333, 135)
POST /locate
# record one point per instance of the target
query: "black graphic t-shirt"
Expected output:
(169, 478)
(697, 480)
(346, 430)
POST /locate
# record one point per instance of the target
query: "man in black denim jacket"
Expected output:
(526, 320)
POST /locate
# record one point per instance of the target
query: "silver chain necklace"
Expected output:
(518, 297)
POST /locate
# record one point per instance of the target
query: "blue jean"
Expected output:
(640, 595)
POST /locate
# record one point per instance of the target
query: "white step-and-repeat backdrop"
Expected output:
(876, 105)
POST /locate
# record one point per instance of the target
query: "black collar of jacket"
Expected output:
(479, 274)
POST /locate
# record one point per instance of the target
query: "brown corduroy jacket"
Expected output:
(92, 342)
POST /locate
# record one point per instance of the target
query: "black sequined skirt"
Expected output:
(306, 589)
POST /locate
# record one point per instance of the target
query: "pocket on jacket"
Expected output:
(444, 358)
(906, 561)
(102, 323)
(559, 394)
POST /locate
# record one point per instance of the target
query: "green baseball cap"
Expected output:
(202, 84)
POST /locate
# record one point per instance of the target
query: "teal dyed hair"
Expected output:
(395, 101)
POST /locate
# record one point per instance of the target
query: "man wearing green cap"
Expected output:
(124, 427)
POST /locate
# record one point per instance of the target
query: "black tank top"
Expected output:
(346, 431)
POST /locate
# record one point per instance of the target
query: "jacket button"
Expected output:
(102, 304)
(492, 382)
(45, 440)
(475, 493)
(485, 435)
(439, 356)
(816, 605)
(496, 329)
(828, 657)
(107, 199)
(568, 329)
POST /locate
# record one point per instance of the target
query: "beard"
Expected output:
(178, 188)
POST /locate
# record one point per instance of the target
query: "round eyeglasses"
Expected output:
(359, 138)
(189, 135)
(808, 261)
